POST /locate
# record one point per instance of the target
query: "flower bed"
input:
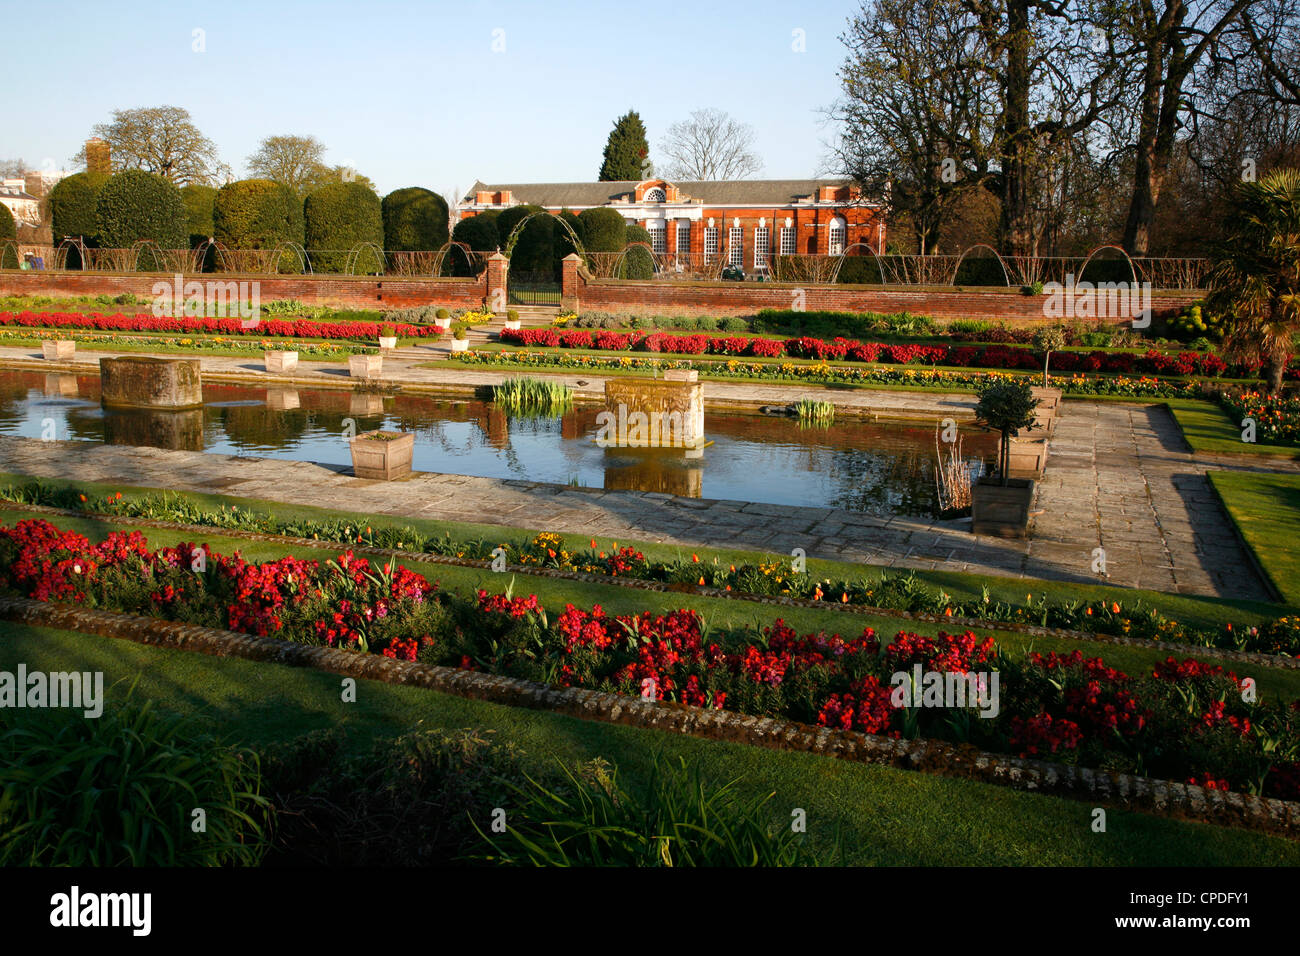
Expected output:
(1277, 417)
(1184, 720)
(143, 322)
(315, 349)
(841, 349)
(774, 578)
(823, 373)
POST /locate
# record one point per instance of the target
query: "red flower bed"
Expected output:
(194, 325)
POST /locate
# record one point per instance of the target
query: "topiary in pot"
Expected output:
(1006, 406)
(1049, 339)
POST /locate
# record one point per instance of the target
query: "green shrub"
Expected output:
(606, 229)
(1006, 406)
(480, 234)
(8, 228)
(337, 217)
(563, 242)
(591, 820)
(860, 270)
(120, 790)
(1196, 321)
(136, 205)
(414, 219)
(533, 255)
(734, 323)
(256, 214)
(73, 207)
(199, 203)
(638, 263)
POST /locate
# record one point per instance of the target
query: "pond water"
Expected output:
(879, 468)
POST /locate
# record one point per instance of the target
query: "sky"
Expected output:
(428, 94)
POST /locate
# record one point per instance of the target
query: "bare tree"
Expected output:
(12, 168)
(295, 161)
(710, 146)
(162, 140)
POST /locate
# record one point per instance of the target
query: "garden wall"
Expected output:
(355, 292)
(656, 297)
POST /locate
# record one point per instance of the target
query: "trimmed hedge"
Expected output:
(337, 217)
(256, 214)
(534, 252)
(480, 233)
(414, 219)
(73, 207)
(563, 244)
(199, 203)
(605, 229)
(638, 263)
(8, 228)
(135, 205)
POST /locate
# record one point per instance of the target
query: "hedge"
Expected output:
(605, 229)
(414, 219)
(480, 234)
(256, 214)
(135, 205)
(199, 202)
(534, 251)
(337, 217)
(73, 208)
(8, 228)
(638, 263)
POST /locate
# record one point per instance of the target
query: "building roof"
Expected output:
(732, 192)
(15, 192)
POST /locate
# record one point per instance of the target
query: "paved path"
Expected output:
(402, 368)
(1118, 477)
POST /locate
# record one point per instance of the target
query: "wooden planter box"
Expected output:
(1028, 457)
(1049, 399)
(382, 459)
(388, 341)
(1000, 511)
(281, 361)
(58, 350)
(365, 366)
(460, 345)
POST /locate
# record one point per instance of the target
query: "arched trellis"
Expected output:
(622, 257)
(835, 276)
(473, 260)
(354, 257)
(516, 232)
(980, 245)
(9, 252)
(283, 248)
(69, 244)
(199, 254)
(1131, 268)
(164, 260)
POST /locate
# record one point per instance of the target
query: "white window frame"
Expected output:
(789, 242)
(655, 194)
(762, 241)
(710, 242)
(684, 231)
(837, 236)
(736, 246)
(658, 230)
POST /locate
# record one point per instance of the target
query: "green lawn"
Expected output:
(886, 816)
(1207, 428)
(1266, 510)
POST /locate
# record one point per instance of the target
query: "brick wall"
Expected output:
(358, 292)
(745, 298)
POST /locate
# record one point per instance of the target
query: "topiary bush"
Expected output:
(8, 228)
(337, 217)
(73, 212)
(534, 251)
(638, 263)
(256, 214)
(605, 230)
(135, 205)
(199, 202)
(414, 219)
(480, 233)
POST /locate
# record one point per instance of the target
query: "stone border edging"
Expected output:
(1145, 794)
(1033, 630)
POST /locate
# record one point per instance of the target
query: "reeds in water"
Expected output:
(533, 396)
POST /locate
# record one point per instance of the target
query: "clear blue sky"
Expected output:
(412, 93)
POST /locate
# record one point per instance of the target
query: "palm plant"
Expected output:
(1255, 284)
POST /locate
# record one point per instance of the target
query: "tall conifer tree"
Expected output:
(626, 151)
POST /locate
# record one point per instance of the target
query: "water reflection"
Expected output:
(871, 467)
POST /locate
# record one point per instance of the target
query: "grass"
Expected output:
(1207, 427)
(887, 816)
(1266, 510)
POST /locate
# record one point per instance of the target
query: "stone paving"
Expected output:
(1118, 477)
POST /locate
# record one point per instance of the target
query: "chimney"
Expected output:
(98, 156)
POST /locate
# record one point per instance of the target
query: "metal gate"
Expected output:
(525, 289)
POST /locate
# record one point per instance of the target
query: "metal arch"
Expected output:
(4, 248)
(139, 246)
(980, 245)
(283, 247)
(622, 257)
(1127, 258)
(446, 249)
(519, 228)
(354, 256)
(83, 254)
(835, 273)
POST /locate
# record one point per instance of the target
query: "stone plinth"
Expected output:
(365, 403)
(652, 413)
(147, 382)
(180, 430)
(58, 350)
(281, 361)
(365, 366)
(282, 399)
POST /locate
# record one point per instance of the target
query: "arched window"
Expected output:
(838, 232)
(655, 195)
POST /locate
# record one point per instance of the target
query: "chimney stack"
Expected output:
(98, 156)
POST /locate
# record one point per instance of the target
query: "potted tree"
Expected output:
(460, 338)
(1000, 505)
(1048, 339)
(441, 321)
(382, 455)
(388, 337)
(512, 319)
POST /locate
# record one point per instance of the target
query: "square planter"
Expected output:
(281, 361)
(514, 324)
(1000, 511)
(1028, 457)
(1049, 399)
(58, 350)
(441, 329)
(388, 341)
(365, 366)
(460, 345)
(381, 455)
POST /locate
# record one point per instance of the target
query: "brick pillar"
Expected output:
(570, 282)
(497, 268)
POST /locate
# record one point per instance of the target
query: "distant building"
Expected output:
(746, 220)
(25, 207)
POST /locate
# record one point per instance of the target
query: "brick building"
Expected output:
(744, 221)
